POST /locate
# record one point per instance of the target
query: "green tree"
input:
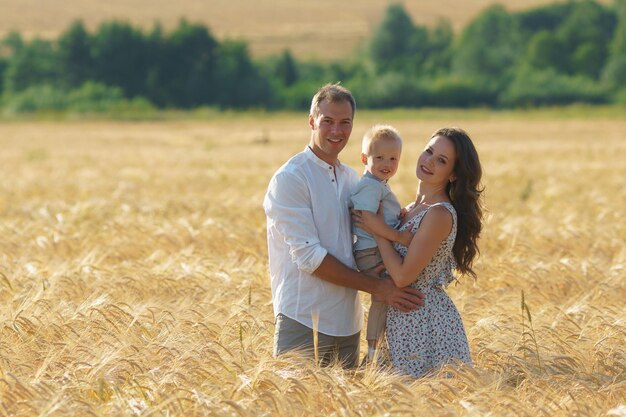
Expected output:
(588, 26)
(184, 73)
(588, 59)
(391, 89)
(393, 37)
(545, 51)
(439, 56)
(286, 69)
(614, 73)
(4, 63)
(75, 58)
(545, 17)
(33, 63)
(398, 45)
(488, 47)
(532, 87)
(121, 57)
(12, 43)
(239, 81)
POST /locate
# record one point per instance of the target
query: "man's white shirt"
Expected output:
(307, 209)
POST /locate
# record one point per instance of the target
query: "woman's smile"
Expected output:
(426, 170)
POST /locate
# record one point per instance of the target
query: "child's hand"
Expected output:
(368, 221)
(403, 212)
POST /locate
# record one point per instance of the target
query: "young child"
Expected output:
(380, 152)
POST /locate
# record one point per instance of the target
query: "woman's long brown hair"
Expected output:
(465, 193)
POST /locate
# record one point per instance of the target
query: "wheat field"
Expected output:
(319, 29)
(133, 271)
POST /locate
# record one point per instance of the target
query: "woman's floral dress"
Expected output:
(433, 335)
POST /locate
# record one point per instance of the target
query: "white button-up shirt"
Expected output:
(307, 218)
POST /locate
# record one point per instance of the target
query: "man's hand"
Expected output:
(404, 299)
(378, 272)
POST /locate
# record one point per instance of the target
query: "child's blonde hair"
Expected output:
(379, 132)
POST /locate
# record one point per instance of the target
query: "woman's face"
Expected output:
(436, 163)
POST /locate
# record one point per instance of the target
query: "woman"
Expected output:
(438, 234)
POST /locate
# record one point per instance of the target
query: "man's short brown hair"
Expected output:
(334, 93)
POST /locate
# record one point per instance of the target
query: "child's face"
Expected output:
(382, 162)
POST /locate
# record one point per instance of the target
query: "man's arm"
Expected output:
(287, 205)
(404, 299)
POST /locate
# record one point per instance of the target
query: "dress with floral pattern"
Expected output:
(433, 335)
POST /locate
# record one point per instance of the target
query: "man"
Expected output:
(314, 285)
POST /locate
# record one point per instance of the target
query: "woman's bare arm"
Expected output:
(374, 223)
(434, 228)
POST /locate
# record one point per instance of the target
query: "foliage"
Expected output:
(4, 63)
(615, 70)
(184, 71)
(544, 50)
(455, 91)
(440, 39)
(76, 62)
(121, 57)
(573, 51)
(398, 45)
(32, 63)
(390, 89)
(94, 98)
(298, 95)
(239, 78)
(548, 87)
(620, 97)
(34, 98)
(286, 70)
(546, 17)
(91, 97)
(585, 35)
(489, 47)
(396, 38)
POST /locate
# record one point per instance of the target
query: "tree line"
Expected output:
(555, 54)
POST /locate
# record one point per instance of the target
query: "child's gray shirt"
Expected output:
(367, 195)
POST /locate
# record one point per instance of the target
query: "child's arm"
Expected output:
(374, 223)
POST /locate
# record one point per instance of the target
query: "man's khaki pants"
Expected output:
(291, 335)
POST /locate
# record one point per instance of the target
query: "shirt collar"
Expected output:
(311, 155)
(368, 174)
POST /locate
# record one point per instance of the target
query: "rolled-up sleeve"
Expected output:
(288, 210)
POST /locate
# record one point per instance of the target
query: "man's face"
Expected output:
(331, 129)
